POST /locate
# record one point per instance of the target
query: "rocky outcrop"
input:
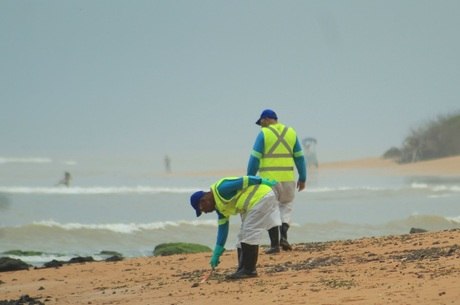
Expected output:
(12, 264)
(23, 300)
(417, 230)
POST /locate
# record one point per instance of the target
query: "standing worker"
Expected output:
(275, 152)
(254, 199)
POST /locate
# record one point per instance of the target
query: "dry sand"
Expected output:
(409, 269)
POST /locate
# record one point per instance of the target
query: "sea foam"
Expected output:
(123, 228)
(24, 160)
(95, 190)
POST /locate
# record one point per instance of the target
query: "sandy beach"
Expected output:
(421, 268)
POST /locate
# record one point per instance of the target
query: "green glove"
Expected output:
(269, 182)
(218, 250)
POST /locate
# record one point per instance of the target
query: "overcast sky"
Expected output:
(191, 77)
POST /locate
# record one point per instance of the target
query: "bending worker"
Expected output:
(254, 199)
(275, 152)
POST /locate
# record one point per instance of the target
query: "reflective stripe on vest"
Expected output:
(280, 140)
(277, 161)
(250, 196)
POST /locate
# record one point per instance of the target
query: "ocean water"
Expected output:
(131, 208)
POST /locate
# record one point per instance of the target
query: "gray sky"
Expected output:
(189, 78)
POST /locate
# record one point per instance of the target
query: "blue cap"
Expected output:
(195, 202)
(267, 113)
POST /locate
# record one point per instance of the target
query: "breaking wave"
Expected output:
(95, 190)
(123, 228)
(24, 160)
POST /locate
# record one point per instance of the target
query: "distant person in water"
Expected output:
(66, 180)
(167, 164)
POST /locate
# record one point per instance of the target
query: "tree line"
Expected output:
(435, 139)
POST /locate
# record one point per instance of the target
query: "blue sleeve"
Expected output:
(230, 186)
(256, 155)
(300, 161)
(222, 230)
(253, 165)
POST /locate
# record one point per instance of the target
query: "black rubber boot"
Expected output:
(240, 259)
(274, 241)
(250, 254)
(283, 241)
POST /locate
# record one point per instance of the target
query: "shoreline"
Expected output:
(445, 167)
(413, 269)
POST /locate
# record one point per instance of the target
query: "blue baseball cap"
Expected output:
(195, 202)
(267, 113)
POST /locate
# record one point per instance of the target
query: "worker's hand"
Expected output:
(300, 185)
(218, 250)
(269, 182)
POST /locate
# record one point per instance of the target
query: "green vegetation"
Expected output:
(436, 139)
(179, 248)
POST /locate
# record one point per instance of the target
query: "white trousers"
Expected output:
(285, 192)
(255, 223)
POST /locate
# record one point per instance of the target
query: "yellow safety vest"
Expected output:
(243, 201)
(277, 161)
